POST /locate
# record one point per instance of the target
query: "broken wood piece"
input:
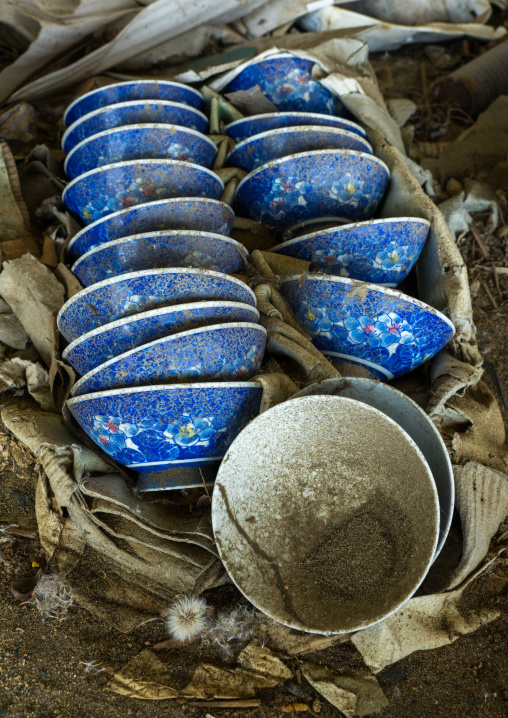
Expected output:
(247, 703)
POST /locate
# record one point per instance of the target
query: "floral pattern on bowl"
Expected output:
(197, 213)
(128, 294)
(129, 91)
(221, 352)
(274, 144)
(172, 425)
(133, 113)
(381, 251)
(99, 345)
(156, 250)
(140, 142)
(384, 330)
(323, 183)
(108, 189)
(287, 82)
(240, 130)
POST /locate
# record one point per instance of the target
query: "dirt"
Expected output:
(385, 535)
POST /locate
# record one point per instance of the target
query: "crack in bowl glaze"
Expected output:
(132, 90)
(99, 345)
(136, 292)
(113, 187)
(196, 213)
(133, 113)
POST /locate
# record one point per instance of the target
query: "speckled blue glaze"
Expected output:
(267, 146)
(385, 331)
(139, 142)
(382, 251)
(133, 113)
(98, 346)
(137, 292)
(170, 425)
(132, 90)
(113, 187)
(199, 213)
(242, 129)
(222, 352)
(287, 82)
(155, 250)
(324, 183)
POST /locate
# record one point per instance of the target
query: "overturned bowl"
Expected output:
(153, 428)
(342, 184)
(287, 82)
(326, 536)
(274, 144)
(99, 345)
(198, 213)
(113, 187)
(133, 113)
(140, 142)
(246, 127)
(407, 414)
(156, 250)
(382, 251)
(136, 292)
(129, 91)
(221, 352)
(385, 333)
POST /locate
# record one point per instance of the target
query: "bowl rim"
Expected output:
(147, 273)
(154, 313)
(130, 82)
(352, 381)
(429, 561)
(133, 163)
(167, 340)
(275, 56)
(160, 233)
(375, 287)
(123, 105)
(298, 114)
(350, 225)
(136, 207)
(311, 153)
(124, 129)
(170, 388)
(300, 128)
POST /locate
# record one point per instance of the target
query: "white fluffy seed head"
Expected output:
(187, 618)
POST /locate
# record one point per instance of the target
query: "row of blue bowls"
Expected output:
(382, 330)
(163, 338)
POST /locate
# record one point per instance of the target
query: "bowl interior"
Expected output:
(327, 535)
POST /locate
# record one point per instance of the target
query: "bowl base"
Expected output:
(176, 477)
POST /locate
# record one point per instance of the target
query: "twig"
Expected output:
(247, 703)
(204, 483)
(480, 242)
(489, 294)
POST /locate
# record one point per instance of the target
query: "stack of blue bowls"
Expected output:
(163, 337)
(314, 181)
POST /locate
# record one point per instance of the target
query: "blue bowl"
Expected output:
(156, 250)
(199, 213)
(137, 292)
(140, 142)
(339, 184)
(113, 187)
(267, 146)
(98, 346)
(222, 352)
(129, 91)
(150, 428)
(382, 251)
(287, 82)
(246, 127)
(382, 330)
(133, 113)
